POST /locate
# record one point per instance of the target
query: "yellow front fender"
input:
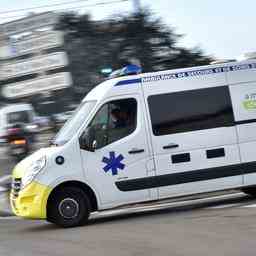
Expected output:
(30, 202)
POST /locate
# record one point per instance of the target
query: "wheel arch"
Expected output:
(74, 183)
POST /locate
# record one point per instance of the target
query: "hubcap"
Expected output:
(69, 208)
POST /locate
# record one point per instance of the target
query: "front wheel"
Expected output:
(68, 207)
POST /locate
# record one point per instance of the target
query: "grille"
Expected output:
(16, 186)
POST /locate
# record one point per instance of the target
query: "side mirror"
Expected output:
(87, 140)
(94, 145)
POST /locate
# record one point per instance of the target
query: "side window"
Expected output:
(114, 121)
(191, 110)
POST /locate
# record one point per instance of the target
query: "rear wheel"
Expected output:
(250, 191)
(68, 207)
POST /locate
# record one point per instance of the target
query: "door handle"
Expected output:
(171, 145)
(136, 151)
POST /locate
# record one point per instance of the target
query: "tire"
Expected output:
(69, 207)
(250, 191)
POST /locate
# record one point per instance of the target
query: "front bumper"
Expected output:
(30, 202)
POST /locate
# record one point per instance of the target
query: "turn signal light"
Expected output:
(19, 142)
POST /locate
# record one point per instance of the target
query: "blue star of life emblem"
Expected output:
(113, 163)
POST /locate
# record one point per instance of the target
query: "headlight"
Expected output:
(33, 170)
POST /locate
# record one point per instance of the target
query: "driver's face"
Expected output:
(114, 117)
(119, 116)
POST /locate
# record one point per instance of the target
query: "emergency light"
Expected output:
(128, 70)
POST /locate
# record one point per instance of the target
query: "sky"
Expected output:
(223, 29)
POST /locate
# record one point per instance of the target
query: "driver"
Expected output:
(120, 118)
(122, 124)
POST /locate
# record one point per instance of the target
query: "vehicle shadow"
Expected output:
(121, 215)
(128, 214)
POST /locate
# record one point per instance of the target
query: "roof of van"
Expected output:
(100, 90)
(199, 71)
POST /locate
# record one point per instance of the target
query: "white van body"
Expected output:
(195, 132)
(14, 109)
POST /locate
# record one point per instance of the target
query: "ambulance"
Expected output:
(143, 138)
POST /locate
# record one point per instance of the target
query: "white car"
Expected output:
(15, 113)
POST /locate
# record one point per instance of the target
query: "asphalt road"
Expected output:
(222, 226)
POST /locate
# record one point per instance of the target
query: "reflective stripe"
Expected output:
(186, 177)
(126, 82)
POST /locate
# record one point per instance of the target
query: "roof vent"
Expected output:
(128, 70)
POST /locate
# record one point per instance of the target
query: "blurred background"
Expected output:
(52, 53)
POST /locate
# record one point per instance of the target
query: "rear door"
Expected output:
(194, 141)
(244, 105)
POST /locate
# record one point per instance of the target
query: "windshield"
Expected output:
(19, 117)
(74, 123)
